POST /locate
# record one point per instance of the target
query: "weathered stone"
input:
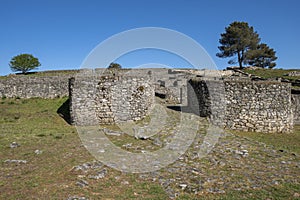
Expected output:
(22, 86)
(14, 145)
(38, 152)
(82, 183)
(16, 161)
(243, 104)
(123, 99)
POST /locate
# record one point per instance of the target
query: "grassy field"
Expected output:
(272, 73)
(35, 125)
(281, 141)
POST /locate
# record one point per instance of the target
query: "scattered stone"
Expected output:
(243, 153)
(293, 73)
(14, 145)
(101, 174)
(85, 167)
(226, 167)
(111, 132)
(38, 152)
(16, 161)
(183, 186)
(125, 183)
(218, 191)
(77, 198)
(82, 183)
(101, 151)
(128, 145)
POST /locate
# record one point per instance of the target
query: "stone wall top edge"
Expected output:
(36, 77)
(261, 82)
(97, 77)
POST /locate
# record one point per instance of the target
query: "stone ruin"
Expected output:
(244, 105)
(109, 99)
(99, 98)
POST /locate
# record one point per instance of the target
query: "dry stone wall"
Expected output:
(234, 104)
(168, 82)
(207, 98)
(109, 99)
(31, 86)
(244, 105)
(296, 108)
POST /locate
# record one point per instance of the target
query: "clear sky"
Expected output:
(61, 33)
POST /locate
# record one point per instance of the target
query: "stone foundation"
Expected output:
(109, 99)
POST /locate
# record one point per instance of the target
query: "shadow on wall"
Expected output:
(64, 111)
(185, 109)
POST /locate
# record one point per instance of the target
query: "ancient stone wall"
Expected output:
(243, 104)
(296, 108)
(31, 86)
(207, 98)
(168, 82)
(109, 99)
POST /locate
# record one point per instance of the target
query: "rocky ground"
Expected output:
(233, 163)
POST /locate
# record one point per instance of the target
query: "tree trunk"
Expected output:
(240, 60)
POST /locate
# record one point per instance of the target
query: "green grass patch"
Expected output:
(280, 141)
(35, 125)
(272, 73)
(285, 191)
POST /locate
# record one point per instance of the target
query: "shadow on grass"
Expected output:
(64, 111)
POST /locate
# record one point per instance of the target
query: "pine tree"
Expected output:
(237, 40)
(262, 56)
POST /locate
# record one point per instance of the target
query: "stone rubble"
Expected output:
(82, 183)
(16, 161)
(233, 163)
(38, 152)
(86, 167)
(77, 198)
(14, 145)
(111, 132)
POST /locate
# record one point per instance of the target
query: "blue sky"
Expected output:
(62, 33)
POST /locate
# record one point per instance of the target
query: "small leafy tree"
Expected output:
(238, 38)
(24, 63)
(114, 66)
(262, 56)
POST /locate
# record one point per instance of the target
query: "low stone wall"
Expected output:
(109, 99)
(30, 86)
(296, 108)
(243, 104)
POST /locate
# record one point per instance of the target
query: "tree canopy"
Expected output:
(263, 56)
(24, 63)
(114, 66)
(242, 41)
